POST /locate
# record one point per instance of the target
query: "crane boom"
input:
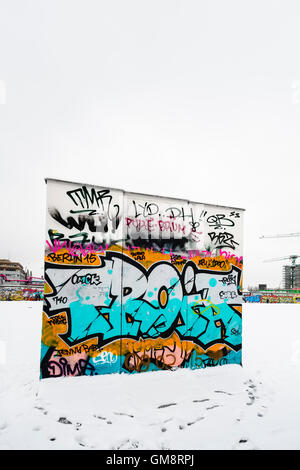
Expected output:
(281, 235)
(279, 259)
(291, 257)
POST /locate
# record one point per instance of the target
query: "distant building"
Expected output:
(291, 276)
(11, 271)
(262, 286)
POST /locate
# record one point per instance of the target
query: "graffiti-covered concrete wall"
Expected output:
(271, 298)
(137, 282)
(21, 293)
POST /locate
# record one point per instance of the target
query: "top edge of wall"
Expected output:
(146, 194)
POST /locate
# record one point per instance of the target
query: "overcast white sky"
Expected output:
(189, 99)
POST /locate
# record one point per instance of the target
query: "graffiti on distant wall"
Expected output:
(272, 298)
(18, 293)
(277, 299)
(137, 283)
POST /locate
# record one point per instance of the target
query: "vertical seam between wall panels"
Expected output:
(121, 280)
(242, 286)
(44, 264)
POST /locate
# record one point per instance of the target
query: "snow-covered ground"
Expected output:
(226, 407)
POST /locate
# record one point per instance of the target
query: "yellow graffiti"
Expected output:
(215, 308)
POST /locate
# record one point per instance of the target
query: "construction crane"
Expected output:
(291, 257)
(290, 273)
(281, 235)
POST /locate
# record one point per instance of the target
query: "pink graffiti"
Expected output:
(71, 366)
(76, 249)
(229, 255)
(21, 280)
(164, 225)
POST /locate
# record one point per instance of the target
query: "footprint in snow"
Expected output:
(128, 444)
(252, 400)
(79, 439)
(64, 420)
(123, 414)
(41, 409)
(261, 413)
(168, 420)
(213, 406)
(166, 405)
(252, 391)
(245, 444)
(195, 421)
(100, 417)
